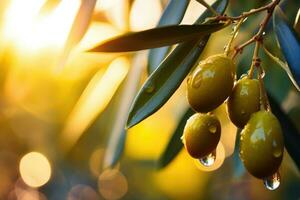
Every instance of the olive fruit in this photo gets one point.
(201, 134)
(243, 101)
(262, 145)
(210, 83)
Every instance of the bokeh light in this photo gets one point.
(82, 192)
(35, 169)
(112, 184)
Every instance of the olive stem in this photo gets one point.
(267, 7)
(258, 36)
(255, 60)
(234, 34)
(265, 105)
(208, 7)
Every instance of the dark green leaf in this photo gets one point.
(289, 43)
(172, 15)
(165, 80)
(157, 37)
(175, 144)
(290, 132)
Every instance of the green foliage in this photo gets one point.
(157, 37)
(173, 14)
(164, 81)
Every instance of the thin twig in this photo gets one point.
(203, 2)
(259, 34)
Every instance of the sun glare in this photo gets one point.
(26, 28)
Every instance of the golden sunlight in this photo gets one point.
(35, 169)
(94, 100)
(27, 29)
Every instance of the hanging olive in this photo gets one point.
(243, 101)
(262, 145)
(201, 134)
(210, 83)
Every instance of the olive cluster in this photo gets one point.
(261, 140)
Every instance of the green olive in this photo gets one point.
(262, 145)
(210, 83)
(201, 134)
(243, 101)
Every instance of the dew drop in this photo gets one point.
(264, 33)
(150, 88)
(263, 73)
(272, 182)
(212, 128)
(277, 153)
(208, 160)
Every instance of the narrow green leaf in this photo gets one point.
(172, 15)
(284, 66)
(175, 144)
(289, 43)
(157, 37)
(165, 80)
(290, 132)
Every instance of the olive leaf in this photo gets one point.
(157, 37)
(288, 42)
(290, 133)
(284, 66)
(172, 15)
(175, 144)
(165, 80)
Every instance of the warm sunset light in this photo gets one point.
(149, 99)
(27, 28)
(35, 169)
(94, 100)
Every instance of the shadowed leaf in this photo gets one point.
(290, 132)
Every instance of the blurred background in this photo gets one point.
(61, 109)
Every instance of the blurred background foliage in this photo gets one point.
(68, 114)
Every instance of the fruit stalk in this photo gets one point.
(234, 34)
